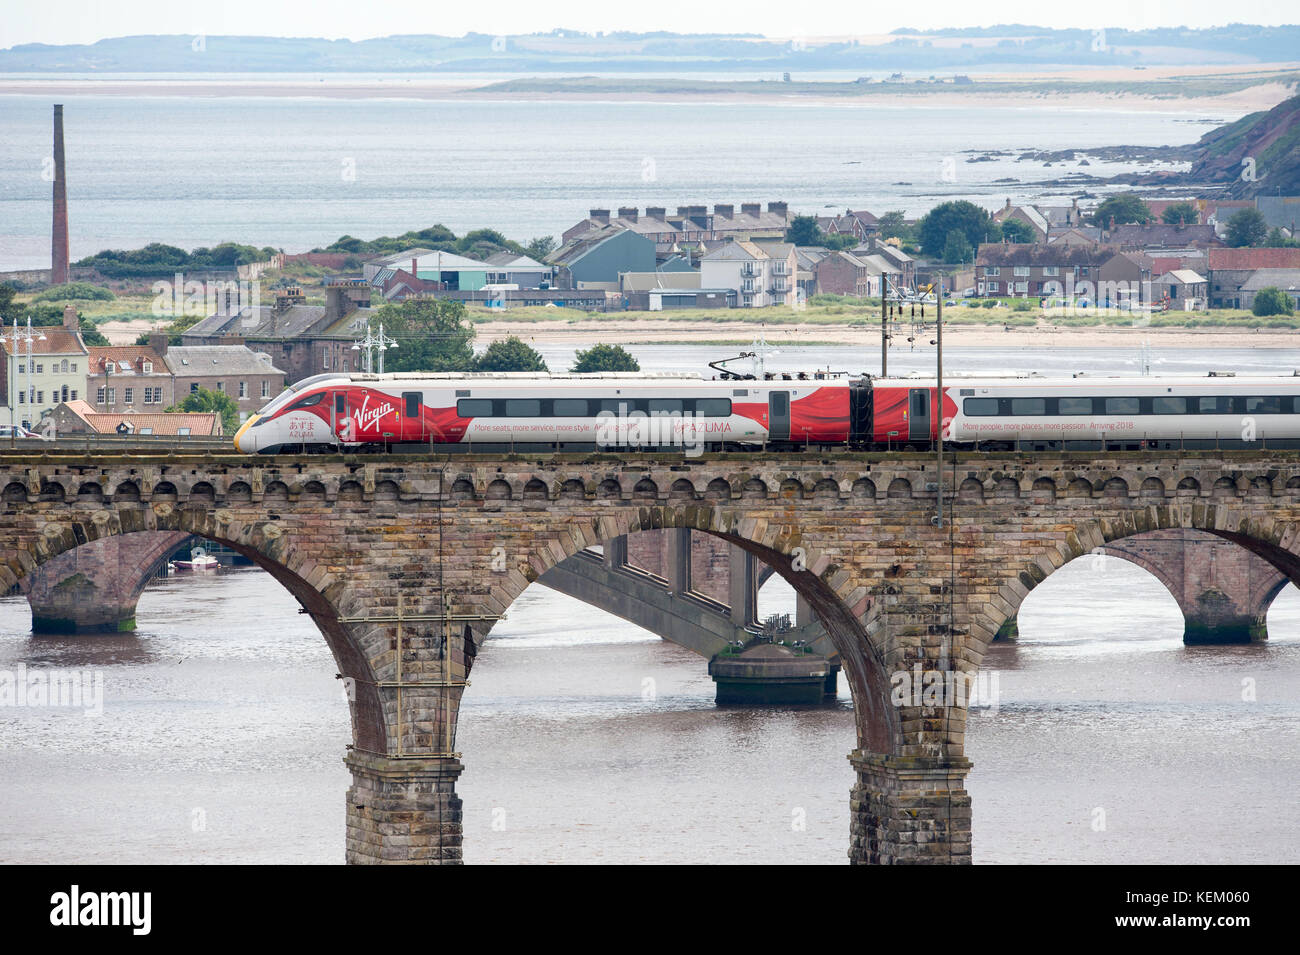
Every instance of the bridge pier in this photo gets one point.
(909, 810)
(403, 811)
(94, 588)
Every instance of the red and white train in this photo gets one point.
(411, 411)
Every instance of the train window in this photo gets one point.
(1122, 405)
(1074, 406)
(713, 407)
(474, 408)
(920, 404)
(980, 407)
(1168, 404)
(523, 407)
(340, 402)
(666, 406)
(308, 401)
(570, 408)
(1270, 404)
(1029, 406)
(412, 401)
(616, 407)
(1209, 405)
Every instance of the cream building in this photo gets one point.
(59, 364)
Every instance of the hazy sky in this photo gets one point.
(84, 21)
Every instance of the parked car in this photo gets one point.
(18, 431)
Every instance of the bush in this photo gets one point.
(1022, 307)
(1271, 301)
(989, 303)
(75, 291)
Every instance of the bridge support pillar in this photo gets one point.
(94, 588)
(743, 587)
(1009, 632)
(403, 810)
(909, 810)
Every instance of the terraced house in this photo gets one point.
(1032, 270)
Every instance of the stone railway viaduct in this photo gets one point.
(405, 563)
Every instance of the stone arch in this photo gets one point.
(462, 489)
(239, 493)
(313, 491)
(387, 491)
(277, 492)
(719, 489)
(1044, 489)
(841, 603)
(90, 491)
(323, 596)
(573, 490)
(202, 493)
(163, 491)
(826, 490)
(1078, 487)
(1115, 487)
(792, 489)
(753, 490)
(610, 489)
(1188, 487)
(645, 490)
(899, 488)
(970, 491)
(15, 493)
(864, 489)
(52, 491)
(1261, 486)
(682, 490)
(351, 491)
(1152, 487)
(498, 490)
(1006, 488)
(1293, 486)
(536, 490)
(1224, 487)
(128, 492)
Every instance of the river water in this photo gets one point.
(586, 739)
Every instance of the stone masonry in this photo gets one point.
(405, 563)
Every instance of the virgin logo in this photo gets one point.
(367, 417)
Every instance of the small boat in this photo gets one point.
(199, 560)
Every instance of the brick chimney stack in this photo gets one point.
(59, 236)
(158, 341)
(70, 320)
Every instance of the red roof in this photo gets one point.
(58, 341)
(133, 355)
(1250, 259)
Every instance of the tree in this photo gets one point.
(431, 334)
(209, 401)
(1277, 240)
(538, 249)
(1271, 301)
(1016, 230)
(803, 231)
(513, 354)
(1248, 227)
(960, 216)
(1120, 210)
(1180, 213)
(894, 225)
(956, 248)
(603, 358)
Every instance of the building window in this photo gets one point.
(993, 288)
(182, 431)
(74, 366)
(194, 387)
(40, 397)
(221, 386)
(128, 394)
(325, 360)
(992, 270)
(266, 389)
(148, 368)
(63, 366)
(99, 396)
(65, 393)
(243, 389)
(22, 368)
(1021, 270)
(74, 395)
(22, 397)
(112, 396)
(40, 368)
(1051, 270)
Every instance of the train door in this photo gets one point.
(778, 416)
(340, 420)
(412, 416)
(918, 414)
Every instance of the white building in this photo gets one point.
(57, 372)
(762, 273)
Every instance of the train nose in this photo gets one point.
(246, 443)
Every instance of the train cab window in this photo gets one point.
(1212, 405)
(1122, 405)
(340, 402)
(1269, 404)
(412, 401)
(523, 407)
(920, 403)
(713, 407)
(1168, 404)
(666, 406)
(1029, 406)
(308, 401)
(980, 407)
(570, 408)
(474, 408)
(1074, 406)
